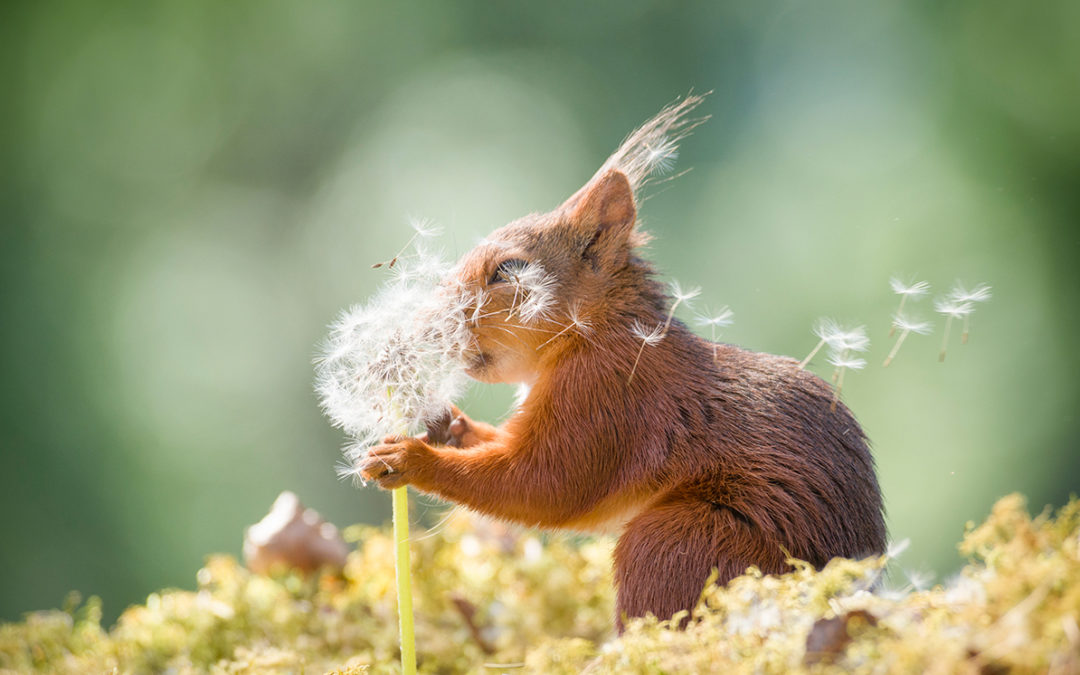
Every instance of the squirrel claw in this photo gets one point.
(391, 464)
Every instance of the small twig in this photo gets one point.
(467, 610)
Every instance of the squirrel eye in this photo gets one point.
(507, 270)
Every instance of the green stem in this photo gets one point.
(402, 566)
(404, 580)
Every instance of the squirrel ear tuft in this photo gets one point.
(607, 203)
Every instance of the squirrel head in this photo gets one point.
(546, 281)
(541, 277)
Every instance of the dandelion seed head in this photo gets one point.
(725, 317)
(580, 323)
(650, 336)
(911, 290)
(396, 362)
(953, 308)
(896, 548)
(425, 228)
(683, 295)
(843, 339)
(827, 329)
(841, 361)
(908, 324)
(980, 293)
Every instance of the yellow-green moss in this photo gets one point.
(547, 608)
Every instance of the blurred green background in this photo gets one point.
(192, 190)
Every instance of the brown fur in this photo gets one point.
(699, 463)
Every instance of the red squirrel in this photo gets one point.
(700, 456)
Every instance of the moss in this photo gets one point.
(491, 600)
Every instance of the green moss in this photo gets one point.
(491, 600)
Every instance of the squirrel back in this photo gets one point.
(700, 456)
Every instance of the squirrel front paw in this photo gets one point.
(395, 462)
(458, 430)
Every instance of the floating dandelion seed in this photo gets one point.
(826, 329)
(649, 337)
(843, 362)
(423, 229)
(680, 296)
(919, 580)
(905, 325)
(654, 336)
(980, 293)
(913, 290)
(722, 319)
(952, 310)
(839, 339)
(896, 548)
(576, 322)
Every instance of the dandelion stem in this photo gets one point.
(404, 580)
(838, 389)
(899, 311)
(634, 369)
(838, 371)
(945, 341)
(393, 261)
(967, 325)
(670, 315)
(402, 562)
(545, 342)
(802, 364)
(896, 347)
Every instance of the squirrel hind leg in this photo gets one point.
(665, 555)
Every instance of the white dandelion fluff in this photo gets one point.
(395, 363)
(838, 338)
(847, 362)
(649, 336)
(980, 293)
(682, 295)
(909, 290)
(722, 319)
(534, 293)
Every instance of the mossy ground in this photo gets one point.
(492, 600)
